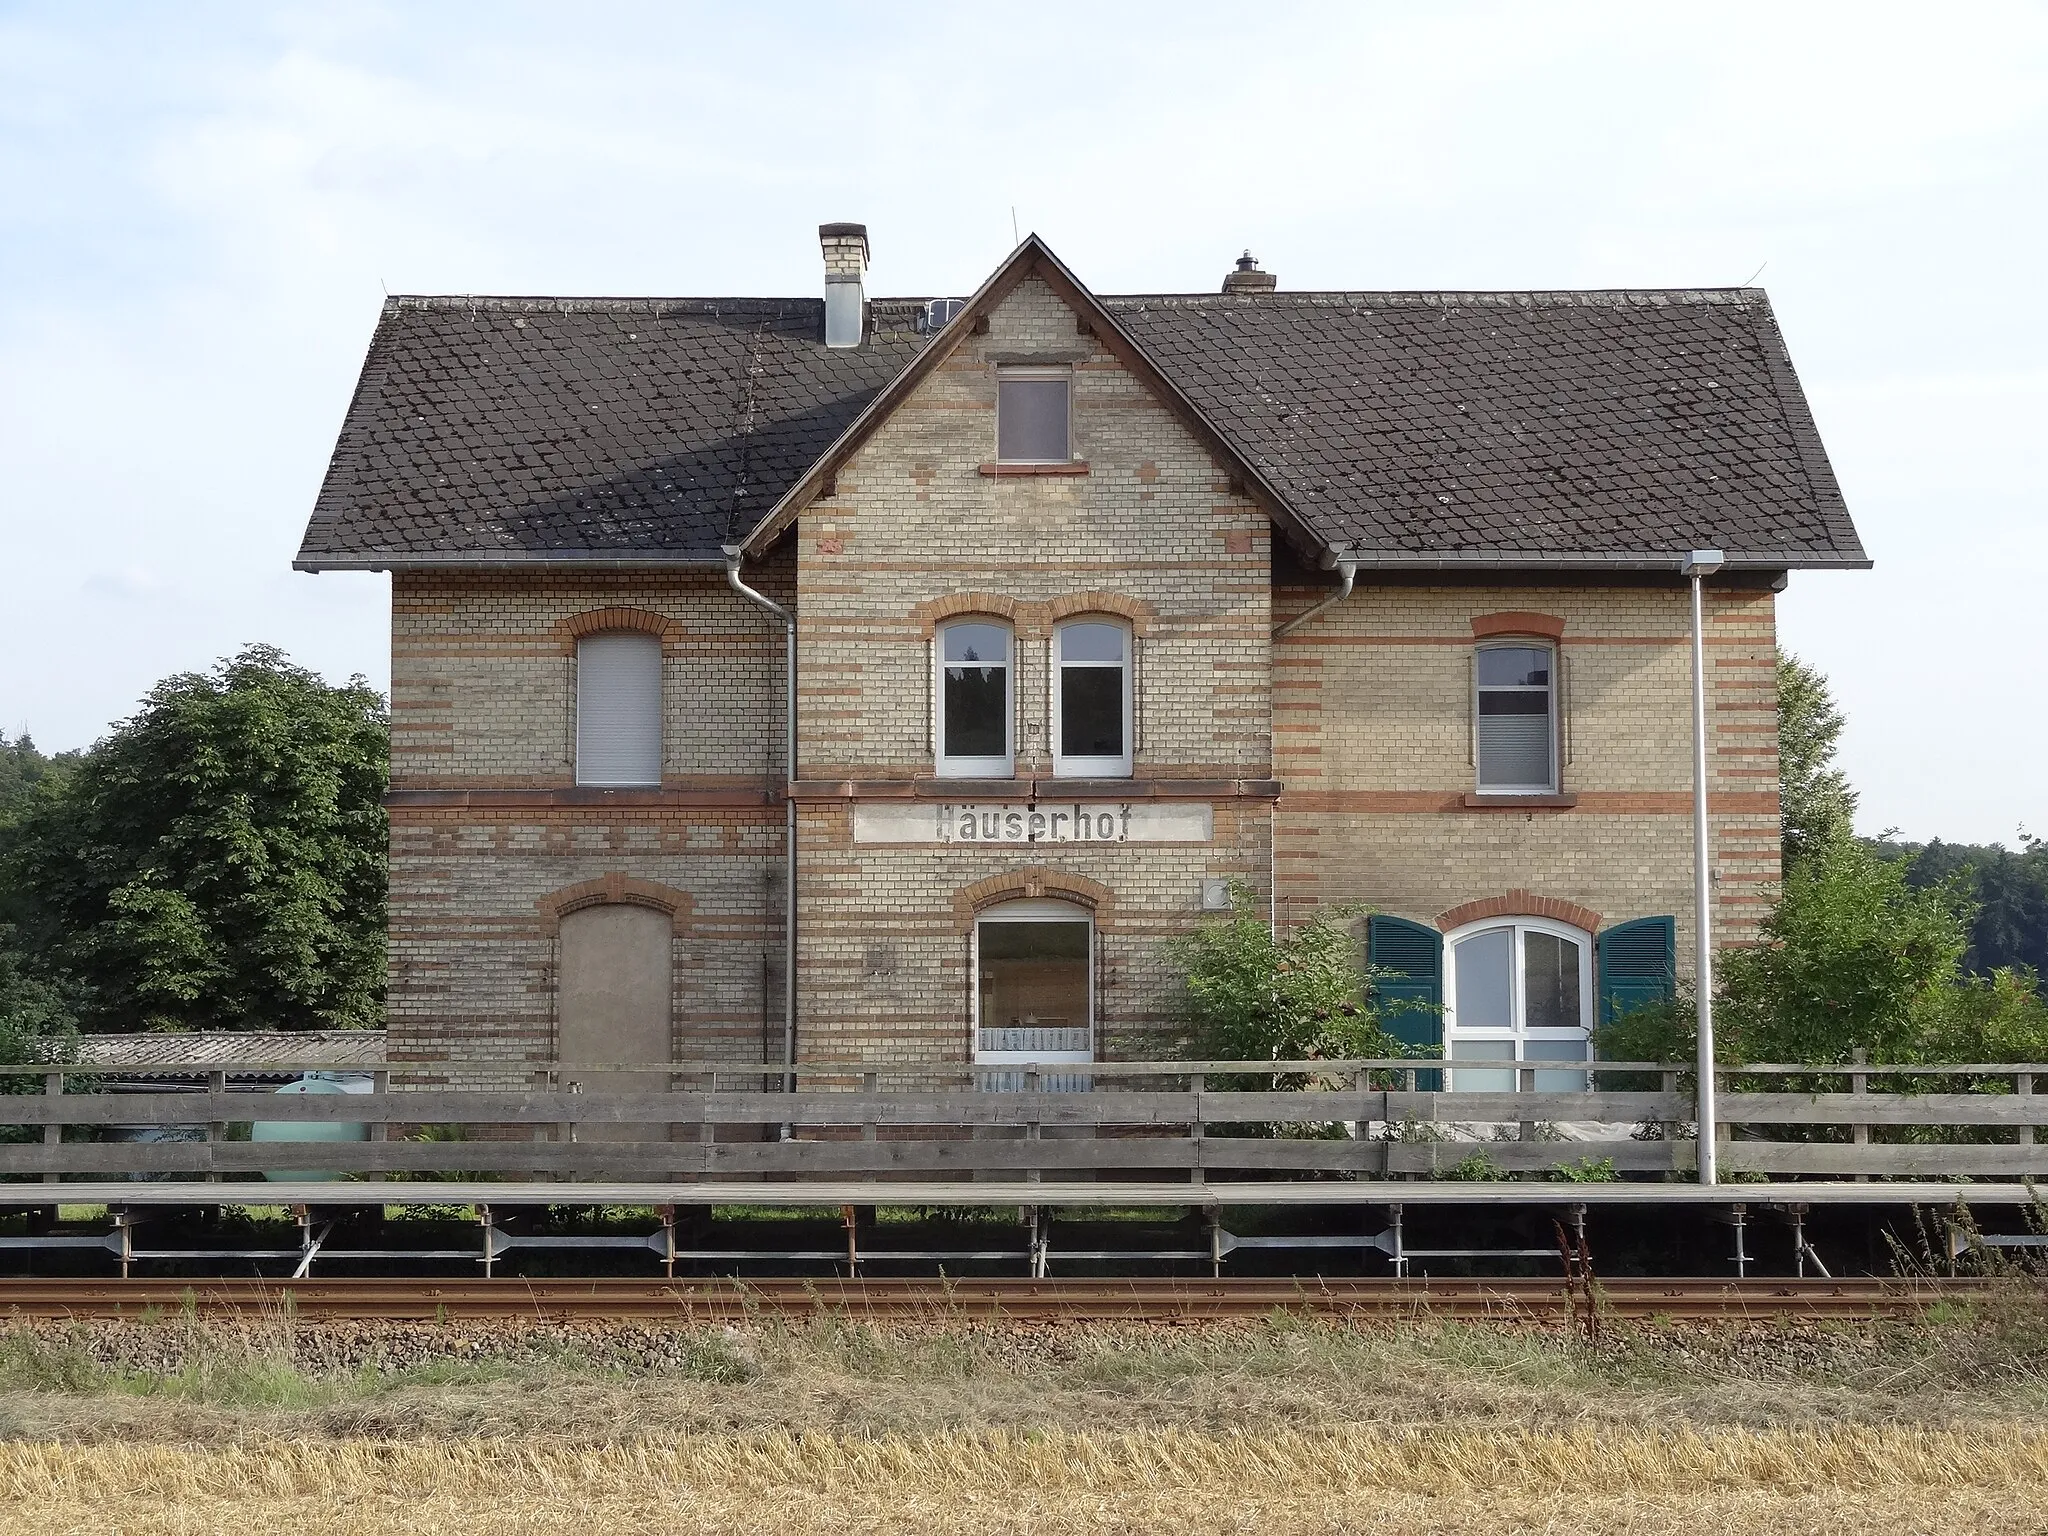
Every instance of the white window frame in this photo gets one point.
(1516, 1036)
(1044, 909)
(1063, 766)
(1552, 697)
(584, 774)
(1006, 374)
(945, 767)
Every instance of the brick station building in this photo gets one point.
(1093, 608)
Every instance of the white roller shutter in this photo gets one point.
(618, 709)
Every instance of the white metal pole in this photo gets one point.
(1702, 890)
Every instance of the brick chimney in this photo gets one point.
(846, 264)
(1247, 278)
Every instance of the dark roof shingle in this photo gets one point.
(1444, 428)
(584, 428)
(1413, 429)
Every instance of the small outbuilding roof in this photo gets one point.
(229, 1049)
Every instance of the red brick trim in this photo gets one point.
(1137, 614)
(614, 888)
(1030, 883)
(597, 621)
(930, 615)
(1520, 904)
(1517, 622)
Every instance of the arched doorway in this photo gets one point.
(613, 1005)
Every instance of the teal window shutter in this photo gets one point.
(1410, 994)
(1638, 965)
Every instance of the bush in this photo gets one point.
(1251, 995)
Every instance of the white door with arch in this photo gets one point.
(1034, 989)
(1518, 989)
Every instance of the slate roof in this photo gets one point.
(586, 429)
(1418, 430)
(1438, 429)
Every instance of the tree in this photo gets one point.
(1816, 806)
(1252, 995)
(26, 774)
(2011, 927)
(1852, 957)
(218, 861)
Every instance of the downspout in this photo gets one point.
(732, 576)
(1347, 572)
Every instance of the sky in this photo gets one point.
(202, 207)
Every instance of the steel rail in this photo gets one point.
(1079, 1300)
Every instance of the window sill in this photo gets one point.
(1520, 802)
(1006, 471)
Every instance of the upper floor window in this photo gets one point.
(974, 701)
(618, 708)
(1091, 725)
(1516, 724)
(1033, 416)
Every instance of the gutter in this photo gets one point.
(1347, 571)
(733, 556)
(485, 561)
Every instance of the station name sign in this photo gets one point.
(1043, 822)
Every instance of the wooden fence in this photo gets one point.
(1167, 1120)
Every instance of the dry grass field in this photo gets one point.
(181, 1424)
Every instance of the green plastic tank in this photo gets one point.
(308, 1130)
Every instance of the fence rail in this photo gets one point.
(1359, 1119)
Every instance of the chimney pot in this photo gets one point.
(1247, 278)
(845, 247)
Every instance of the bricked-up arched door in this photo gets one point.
(613, 1004)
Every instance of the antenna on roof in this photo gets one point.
(1015, 238)
(1759, 272)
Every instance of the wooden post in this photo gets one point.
(1525, 1082)
(1670, 1127)
(2023, 1085)
(1034, 1174)
(216, 1130)
(868, 1082)
(380, 1126)
(1198, 1084)
(542, 1080)
(1859, 1085)
(53, 1133)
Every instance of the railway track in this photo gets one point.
(1149, 1299)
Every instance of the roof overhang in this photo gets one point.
(1579, 560)
(471, 560)
(1034, 258)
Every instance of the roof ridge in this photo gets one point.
(1585, 297)
(597, 303)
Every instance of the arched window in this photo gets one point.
(1515, 738)
(1518, 989)
(973, 705)
(1034, 984)
(1091, 702)
(618, 708)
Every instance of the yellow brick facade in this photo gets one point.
(1363, 717)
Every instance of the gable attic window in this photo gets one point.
(618, 708)
(1034, 414)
